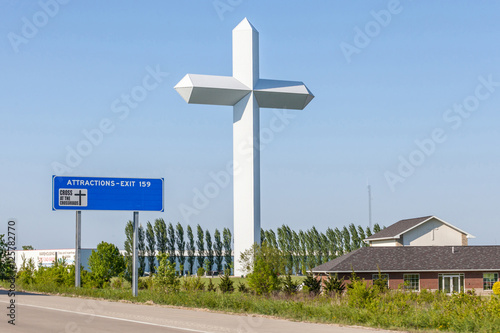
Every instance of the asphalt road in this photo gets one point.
(41, 313)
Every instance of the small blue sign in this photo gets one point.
(103, 193)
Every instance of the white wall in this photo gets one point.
(46, 257)
(390, 242)
(432, 233)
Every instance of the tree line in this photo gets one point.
(185, 247)
(303, 250)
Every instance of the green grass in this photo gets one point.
(400, 310)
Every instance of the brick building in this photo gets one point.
(421, 253)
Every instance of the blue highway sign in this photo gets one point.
(106, 193)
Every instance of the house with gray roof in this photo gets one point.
(420, 231)
(420, 253)
(446, 268)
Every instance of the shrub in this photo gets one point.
(360, 294)
(264, 264)
(242, 288)
(59, 274)
(289, 286)
(166, 277)
(312, 284)
(26, 274)
(200, 271)
(105, 262)
(122, 283)
(211, 286)
(7, 266)
(380, 283)
(333, 285)
(226, 285)
(496, 288)
(192, 283)
(145, 282)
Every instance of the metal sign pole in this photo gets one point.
(78, 246)
(135, 269)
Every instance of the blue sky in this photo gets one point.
(407, 103)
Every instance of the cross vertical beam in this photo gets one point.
(246, 175)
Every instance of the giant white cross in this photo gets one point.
(245, 92)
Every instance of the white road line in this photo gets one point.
(115, 318)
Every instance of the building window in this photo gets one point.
(382, 277)
(489, 279)
(411, 281)
(451, 282)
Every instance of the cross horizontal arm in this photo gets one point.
(211, 89)
(282, 94)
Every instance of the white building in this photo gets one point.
(420, 231)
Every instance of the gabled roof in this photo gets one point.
(415, 259)
(397, 229)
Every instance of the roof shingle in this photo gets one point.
(416, 258)
(398, 228)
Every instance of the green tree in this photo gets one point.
(181, 246)
(27, 247)
(226, 241)
(376, 228)
(355, 239)
(171, 243)
(141, 250)
(325, 248)
(190, 249)
(332, 243)
(218, 250)
(226, 285)
(151, 248)
(311, 249)
(368, 232)
(347, 239)
(290, 287)
(166, 278)
(263, 264)
(161, 237)
(271, 239)
(296, 252)
(210, 251)
(7, 267)
(285, 244)
(105, 263)
(200, 244)
(334, 285)
(128, 245)
(312, 284)
(362, 236)
(340, 241)
(303, 251)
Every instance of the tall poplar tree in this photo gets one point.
(190, 249)
(226, 241)
(141, 250)
(347, 239)
(209, 251)
(128, 245)
(151, 248)
(161, 237)
(218, 250)
(181, 246)
(200, 244)
(171, 243)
